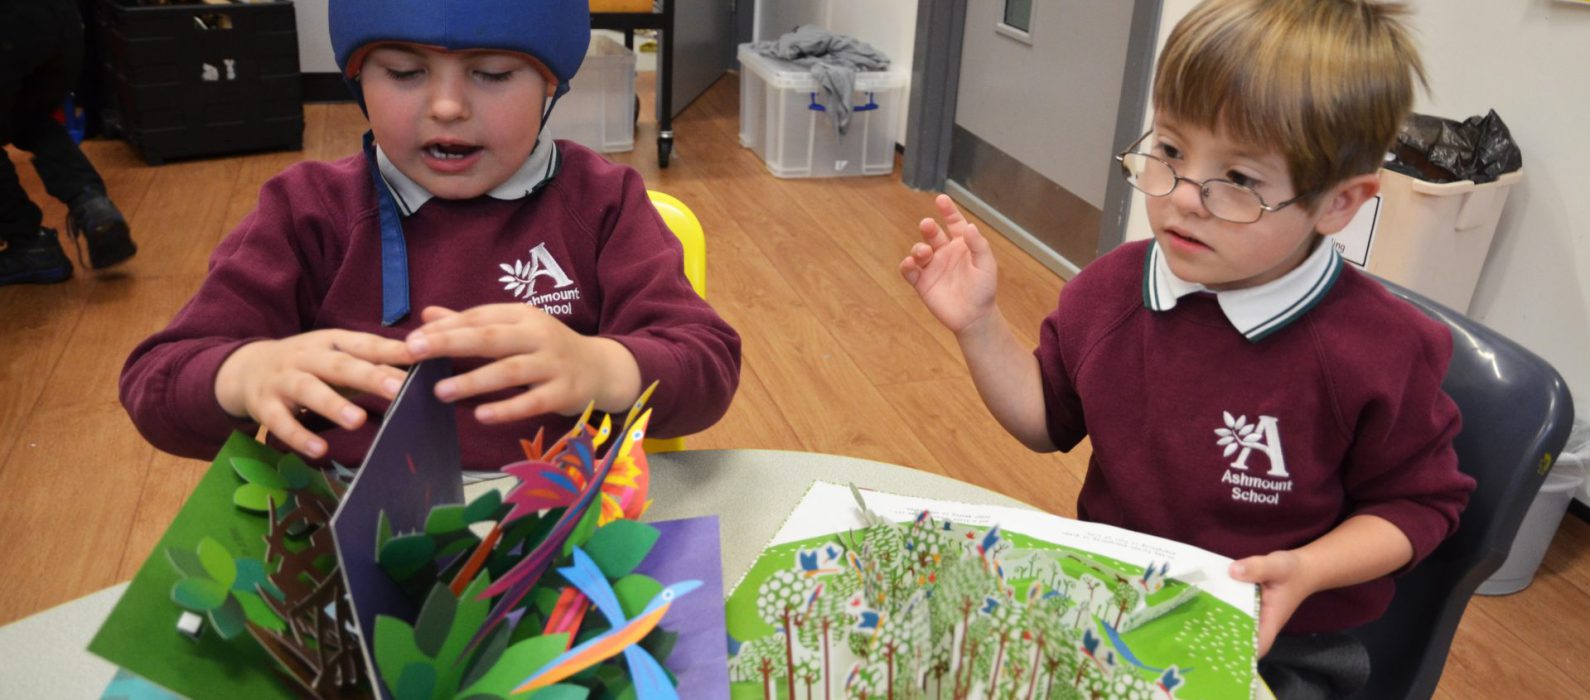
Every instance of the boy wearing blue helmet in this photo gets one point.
(459, 232)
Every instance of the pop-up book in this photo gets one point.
(875, 595)
(278, 580)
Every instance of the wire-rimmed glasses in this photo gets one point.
(1225, 200)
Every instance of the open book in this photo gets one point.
(863, 594)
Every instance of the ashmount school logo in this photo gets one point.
(522, 276)
(1242, 438)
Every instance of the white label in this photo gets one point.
(1356, 242)
(839, 165)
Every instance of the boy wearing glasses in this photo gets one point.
(1244, 391)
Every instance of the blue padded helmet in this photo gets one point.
(554, 32)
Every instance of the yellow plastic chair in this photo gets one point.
(687, 228)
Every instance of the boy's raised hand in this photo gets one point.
(270, 380)
(952, 269)
(559, 370)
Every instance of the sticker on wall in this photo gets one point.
(1356, 241)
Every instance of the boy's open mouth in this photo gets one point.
(450, 151)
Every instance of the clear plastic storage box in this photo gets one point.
(599, 110)
(784, 118)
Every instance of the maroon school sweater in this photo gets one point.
(1247, 447)
(588, 248)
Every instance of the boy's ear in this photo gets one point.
(1342, 202)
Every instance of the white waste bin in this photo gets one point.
(1545, 514)
(1430, 237)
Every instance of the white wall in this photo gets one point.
(314, 37)
(889, 25)
(1530, 61)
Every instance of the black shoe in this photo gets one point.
(36, 259)
(93, 218)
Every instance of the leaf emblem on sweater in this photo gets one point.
(1237, 434)
(518, 282)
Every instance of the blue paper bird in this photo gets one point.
(990, 604)
(1090, 643)
(649, 679)
(990, 539)
(1126, 652)
(1169, 679)
(806, 560)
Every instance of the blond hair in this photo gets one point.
(1326, 83)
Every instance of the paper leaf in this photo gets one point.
(198, 594)
(618, 547)
(545, 600)
(583, 531)
(561, 691)
(490, 652)
(257, 612)
(468, 615)
(660, 643)
(228, 619)
(634, 592)
(185, 562)
(257, 498)
(383, 530)
(297, 474)
(416, 682)
(405, 555)
(484, 507)
(251, 577)
(518, 661)
(445, 519)
(217, 562)
(395, 649)
(258, 473)
(436, 618)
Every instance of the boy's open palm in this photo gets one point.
(559, 370)
(271, 380)
(952, 269)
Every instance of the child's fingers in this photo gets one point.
(434, 313)
(910, 270)
(373, 348)
(312, 392)
(546, 398)
(347, 369)
(492, 340)
(1251, 570)
(508, 373)
(948, 211)
(281, 421)
(933, 235)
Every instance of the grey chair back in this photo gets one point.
(1516, 417)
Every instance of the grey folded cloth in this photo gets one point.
(833, 59)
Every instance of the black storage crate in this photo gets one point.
(203, 80)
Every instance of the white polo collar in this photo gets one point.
(538, 169)
(1257, 311)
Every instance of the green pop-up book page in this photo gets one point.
(141, 635)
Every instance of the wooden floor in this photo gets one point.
(839, 358)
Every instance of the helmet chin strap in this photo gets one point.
(394, 252)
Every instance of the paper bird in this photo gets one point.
(1169, 680)
(650, 680)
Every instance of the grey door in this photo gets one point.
(1036, 115)
(703, 46)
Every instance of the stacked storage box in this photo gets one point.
(598, 112)
(201, 80)
(784, 117)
